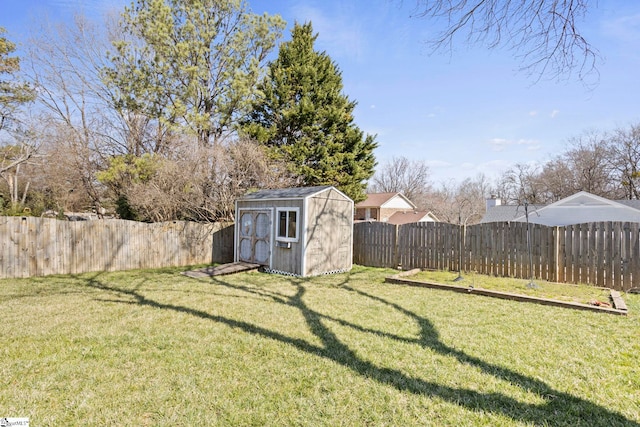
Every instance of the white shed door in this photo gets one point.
(254, 236)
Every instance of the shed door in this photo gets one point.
(254, 236)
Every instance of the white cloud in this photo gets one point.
(533, 113)
(626, 28)
(554, 113)
(500, 144)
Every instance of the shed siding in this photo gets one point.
(329, 234)
(289, 259)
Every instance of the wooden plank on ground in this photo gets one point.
(220, 270)
(617, 300)
(504, 295)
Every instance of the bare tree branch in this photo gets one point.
(544, 34)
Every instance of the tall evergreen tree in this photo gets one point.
(303, 118)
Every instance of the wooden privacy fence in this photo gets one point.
(601, 254)
(42, 246)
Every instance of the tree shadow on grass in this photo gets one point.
(559, 408)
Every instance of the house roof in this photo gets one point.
(289, 193)
(631, 203)
(583, 207)
(578, 208)
(399, 218)
(377, 200)
(506, 213)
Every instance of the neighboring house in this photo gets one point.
(296, 231)
(382, 206)
(579, 208)
(399, 218)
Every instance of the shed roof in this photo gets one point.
(506, 213)
(289, 193)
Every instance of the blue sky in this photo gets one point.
(463, 112)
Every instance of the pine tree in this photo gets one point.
(193, 65)
(303, 118)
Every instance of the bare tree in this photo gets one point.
(64, 64)
(625, 149)
(544, 34)
(521, 184)
(593, 162)
(586, 165)
(401, 175)
(442, 200)
(558, 178)
(589, 157)
(68, 169)
(13, 158)
(182, 185)
(462, 202)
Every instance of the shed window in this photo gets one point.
(288, 225)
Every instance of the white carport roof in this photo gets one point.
(580, 208)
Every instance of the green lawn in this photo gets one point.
(582, 294)
(158, 348)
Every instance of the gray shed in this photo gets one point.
(296, 231)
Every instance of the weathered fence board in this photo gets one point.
(43, 246)
(601, 254)
(374, 244)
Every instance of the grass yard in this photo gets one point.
(583, 294)
(158, 348)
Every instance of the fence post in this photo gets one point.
(556, 254)
(396, 251)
